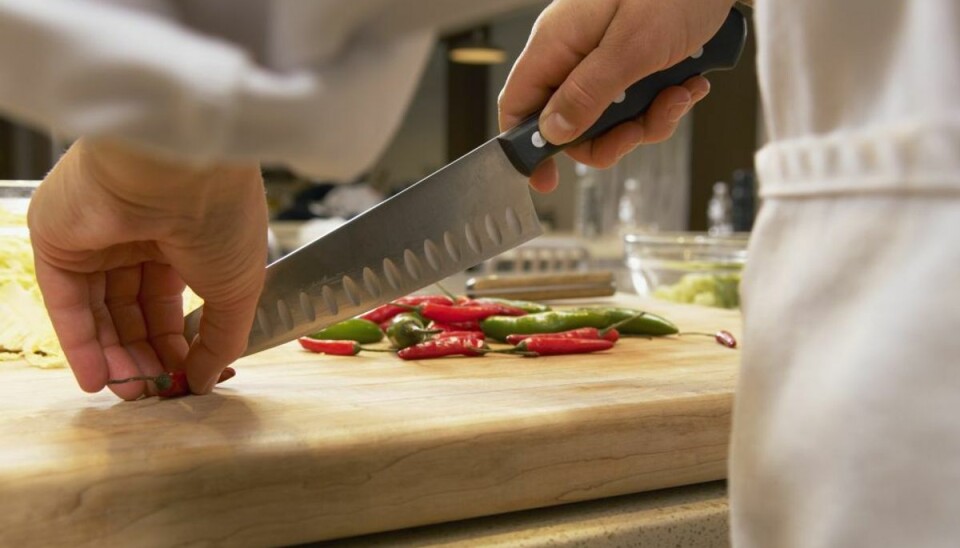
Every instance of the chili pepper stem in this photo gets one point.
(446, 292)
(387, 350)
(514, 351)
(163, 381)
(624, 321)
(131, 379)
(722, 337)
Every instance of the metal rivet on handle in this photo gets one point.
(621, 98)
(538, 140)
(697, 54)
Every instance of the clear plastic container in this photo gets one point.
(687, 267)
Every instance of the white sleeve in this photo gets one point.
(82, 68)
(318, 86)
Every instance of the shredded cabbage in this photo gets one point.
(25, 329)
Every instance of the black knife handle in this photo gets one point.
(526, 148)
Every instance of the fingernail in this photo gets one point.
(677, 110)
(557, 129)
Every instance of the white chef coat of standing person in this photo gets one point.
(845, 429)
(174, 103)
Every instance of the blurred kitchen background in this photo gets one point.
(699, 183)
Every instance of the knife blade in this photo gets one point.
(469, 211)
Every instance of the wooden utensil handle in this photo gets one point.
(544, 286)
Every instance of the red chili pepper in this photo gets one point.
(590, 333)
(173, 384)
(461, 334)
(334, 348)
(457, 326)
(501, 309)
(474, 312)
(385, 312)
(546, 345)
(438, 348)
(726, 339)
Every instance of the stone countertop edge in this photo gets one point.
(693, 516)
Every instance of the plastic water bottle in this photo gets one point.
(588, 215)
(628, 209)
(720, 211)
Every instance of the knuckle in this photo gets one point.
(582, 97)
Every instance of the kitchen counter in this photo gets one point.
(301, 447)
(693, 516)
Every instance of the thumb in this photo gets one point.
(592, 86)
(222, 339)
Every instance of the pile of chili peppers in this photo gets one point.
(422, 327)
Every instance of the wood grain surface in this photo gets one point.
(302, 447)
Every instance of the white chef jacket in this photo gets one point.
(318, 85)
(847, 415)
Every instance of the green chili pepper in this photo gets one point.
(354, 329)
(530, 306)
(498, 327)
(646, 324)
(407, 329)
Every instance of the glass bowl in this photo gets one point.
(687, 267)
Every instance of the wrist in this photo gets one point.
(135, 176)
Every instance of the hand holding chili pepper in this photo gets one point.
(173, 384)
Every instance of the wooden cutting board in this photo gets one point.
(302, 447)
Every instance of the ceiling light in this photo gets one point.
(474, 48)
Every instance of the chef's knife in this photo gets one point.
(471, 210)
